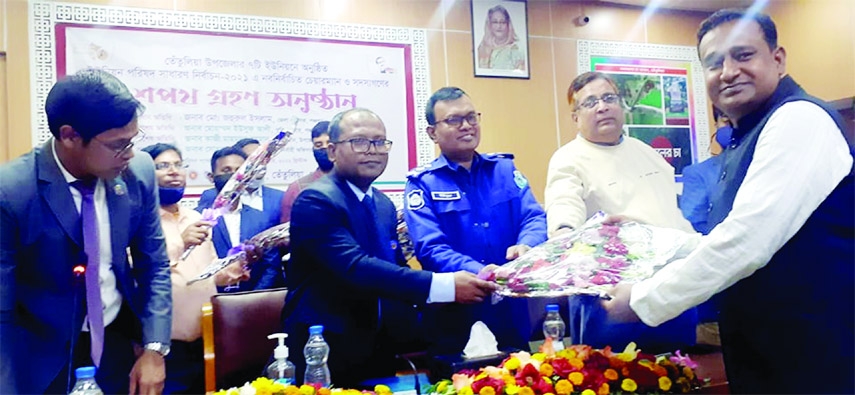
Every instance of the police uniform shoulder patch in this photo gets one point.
(520, 179)
(417, 171)
(500, 155)
(415, 199)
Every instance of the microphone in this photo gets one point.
(79, 274)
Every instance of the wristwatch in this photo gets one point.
(160, 348)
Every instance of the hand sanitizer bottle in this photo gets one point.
(281, 370)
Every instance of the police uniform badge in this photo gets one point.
(393, 244)
(520, 179)
(415, 199)
(118, 189)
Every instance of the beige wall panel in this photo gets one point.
(565, 70)
(4, 113)
(18, 78)
(674, 28)
(458, 15)
(539, 21)
(609, 23)
(821, 57)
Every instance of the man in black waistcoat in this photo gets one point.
(782, 251)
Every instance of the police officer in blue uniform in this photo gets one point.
(466, 211)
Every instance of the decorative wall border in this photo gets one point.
(44, 15)
(588, 48)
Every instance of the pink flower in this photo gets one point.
(683, 360)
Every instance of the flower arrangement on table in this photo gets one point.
(591, 259)
(578, 369)
(265, 386)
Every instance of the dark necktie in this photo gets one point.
(91, 245)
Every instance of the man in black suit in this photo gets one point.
(345, 258)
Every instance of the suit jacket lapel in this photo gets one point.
(220, 237)
(119, 209)
(54, 190)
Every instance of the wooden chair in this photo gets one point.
(234, 332)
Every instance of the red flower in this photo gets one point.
(561, 367)
(527, 376)
(497, 384)
(646, 379)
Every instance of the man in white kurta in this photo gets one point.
(628, 179)
(603, 170)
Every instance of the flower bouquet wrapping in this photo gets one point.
(578, 369)
(592, 259)
(254, 167)
(279, 236)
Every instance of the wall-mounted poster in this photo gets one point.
(500, 38)
(209, 80)
(663, 96)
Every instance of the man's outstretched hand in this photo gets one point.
(470, 289)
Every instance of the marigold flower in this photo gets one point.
(589, 392)
(525, 391)
(307, 390)
(538, 356)
(576, 378)
(381, 389)
(665, 383)
(604, 389)
(628, 385)
(509, 380)
(688, 372)
(566, 353)
(487, 391)
(467, 390)
(292, 390)
(512, 364)
(610, 374)
(323, 391)
(563, 387)
(512, 389)
(576, 363)
(546, 369)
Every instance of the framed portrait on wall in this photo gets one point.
(500, 38)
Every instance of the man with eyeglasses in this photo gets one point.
(69, 211)
(604, 170)
(345, 259)
(467, 211)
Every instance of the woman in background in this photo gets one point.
(499, 49)
(184, 227)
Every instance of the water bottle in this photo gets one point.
(553, 327)
(316, 352)
(86, 384)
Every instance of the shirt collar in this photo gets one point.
(359, 194)
(443, 161)
(65, 174)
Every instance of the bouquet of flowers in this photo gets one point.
(265, 386)
(280, 236)
(254, 167)
(591, 259)
(578, 369)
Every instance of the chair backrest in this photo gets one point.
(241, 322)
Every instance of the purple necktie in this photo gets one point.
(91, 245)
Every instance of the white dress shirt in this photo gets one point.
(441, 285)
(232, 219)
(800, 157)
(111, 299)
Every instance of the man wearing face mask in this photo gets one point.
(320, 141)
(257, 210)
(182, 227)
(247, 146)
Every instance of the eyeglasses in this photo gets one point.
(121, 148)
(362, 145)
(167, 165)
(591, 101)
(457, 121)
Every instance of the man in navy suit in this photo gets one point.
(47, 220)
(248, 146)
(258, 209)
(345, 258)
